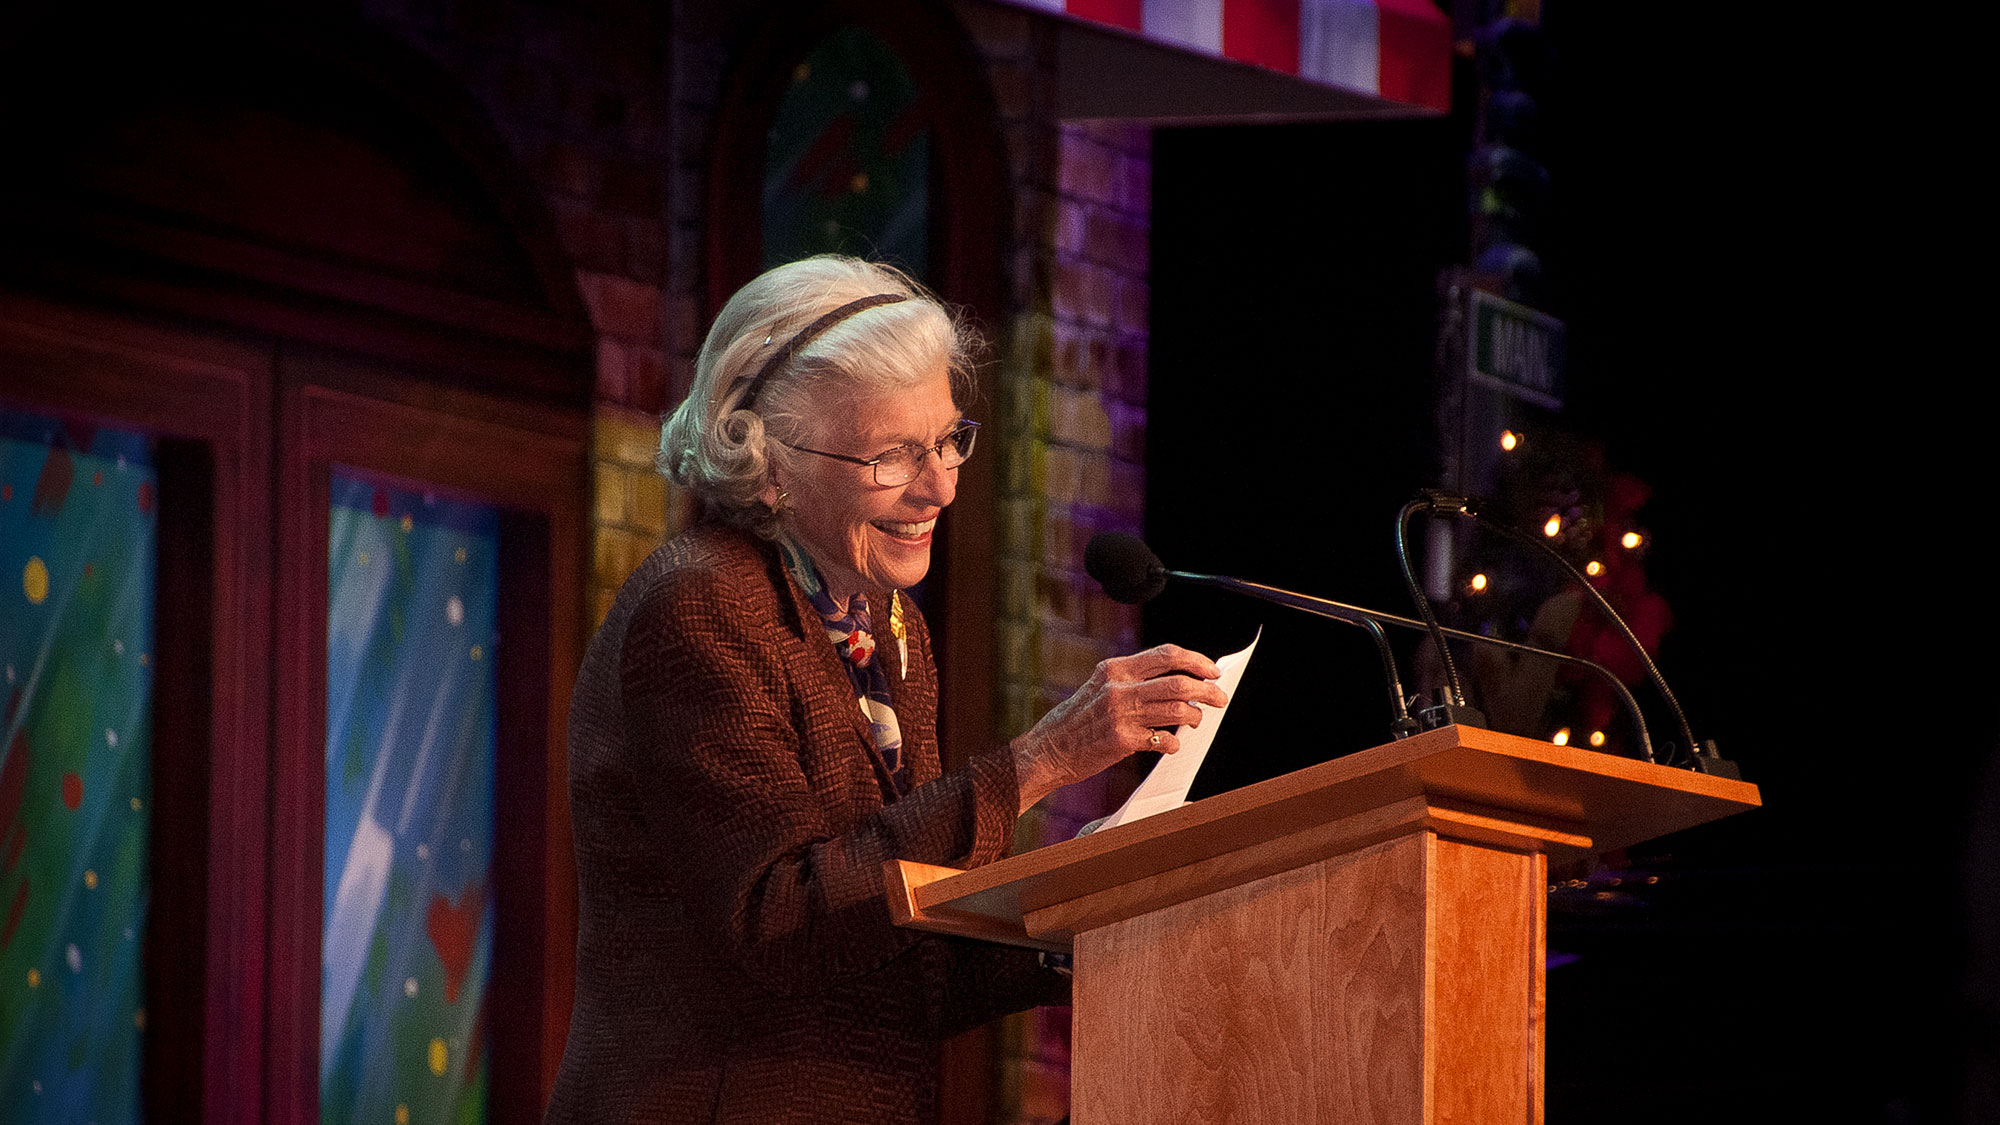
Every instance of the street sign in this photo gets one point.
(1516, 350)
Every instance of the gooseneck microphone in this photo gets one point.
(1128, 570)
(1701, 756)
(1131, 573)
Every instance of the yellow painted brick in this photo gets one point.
(607, 554)
(1033, 336)
(1017, 589)
(649, 503)
(1019, 523)
(1017, 653)
(609, 499)
(618, 553)
(624, 436)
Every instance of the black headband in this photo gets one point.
(806, 336)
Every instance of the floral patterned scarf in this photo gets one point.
(852, 632)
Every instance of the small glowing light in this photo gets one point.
(402, 1115)
(1554, 527)
(407, 522)
(1631, 540)
(34, 978)
(90, 880)
(1478, 583)
(410, 987)
(439, 1058)
(1561, 737)
(1509, 440)
(1597, 738)
(1593, 568)
(478, 651)
(139, 1019)
(136, 805)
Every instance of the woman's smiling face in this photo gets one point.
(861, 534)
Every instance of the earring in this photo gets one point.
(778, 505)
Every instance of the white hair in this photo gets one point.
(724, 450)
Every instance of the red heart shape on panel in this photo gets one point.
(452, 929)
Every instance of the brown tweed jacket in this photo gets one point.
(735, 958)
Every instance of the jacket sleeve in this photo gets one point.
(719, 716)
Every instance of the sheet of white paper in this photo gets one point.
(1167, 786)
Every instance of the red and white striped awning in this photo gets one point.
(1395, 54)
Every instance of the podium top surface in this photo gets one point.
(1578, 801)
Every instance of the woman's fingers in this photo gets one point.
(1160, 660)
(1183, 688)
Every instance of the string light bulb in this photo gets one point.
(1631, 540)
(1560, 737)
(1593, 568)
(1597, 738)
(1554, 527)
(1478, 583)
(1509, 441)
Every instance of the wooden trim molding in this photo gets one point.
(208, 401)
(537, 475)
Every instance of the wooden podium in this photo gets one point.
(1360, 941)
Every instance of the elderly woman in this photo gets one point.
(754, 734)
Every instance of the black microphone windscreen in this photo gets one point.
(1128, 570)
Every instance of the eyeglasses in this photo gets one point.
(902, 464)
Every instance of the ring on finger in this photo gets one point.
(1154, 741)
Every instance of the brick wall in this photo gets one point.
(1071, 389)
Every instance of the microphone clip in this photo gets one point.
(1709, 760)
(1437, 710)
(1438, 502)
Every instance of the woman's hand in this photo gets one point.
(1114, 714)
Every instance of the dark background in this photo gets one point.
(1756, 244)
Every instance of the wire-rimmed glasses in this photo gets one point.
(902, 464)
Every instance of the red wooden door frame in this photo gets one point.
(208, 401)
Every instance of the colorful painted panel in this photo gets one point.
(412, 581)
(77, 523)
(847, 166)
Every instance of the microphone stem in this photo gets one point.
(1423, 602)
(1652, 670)
(1355, 615)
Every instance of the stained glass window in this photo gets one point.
(847, 166)
(408, 939)
(78, 515)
